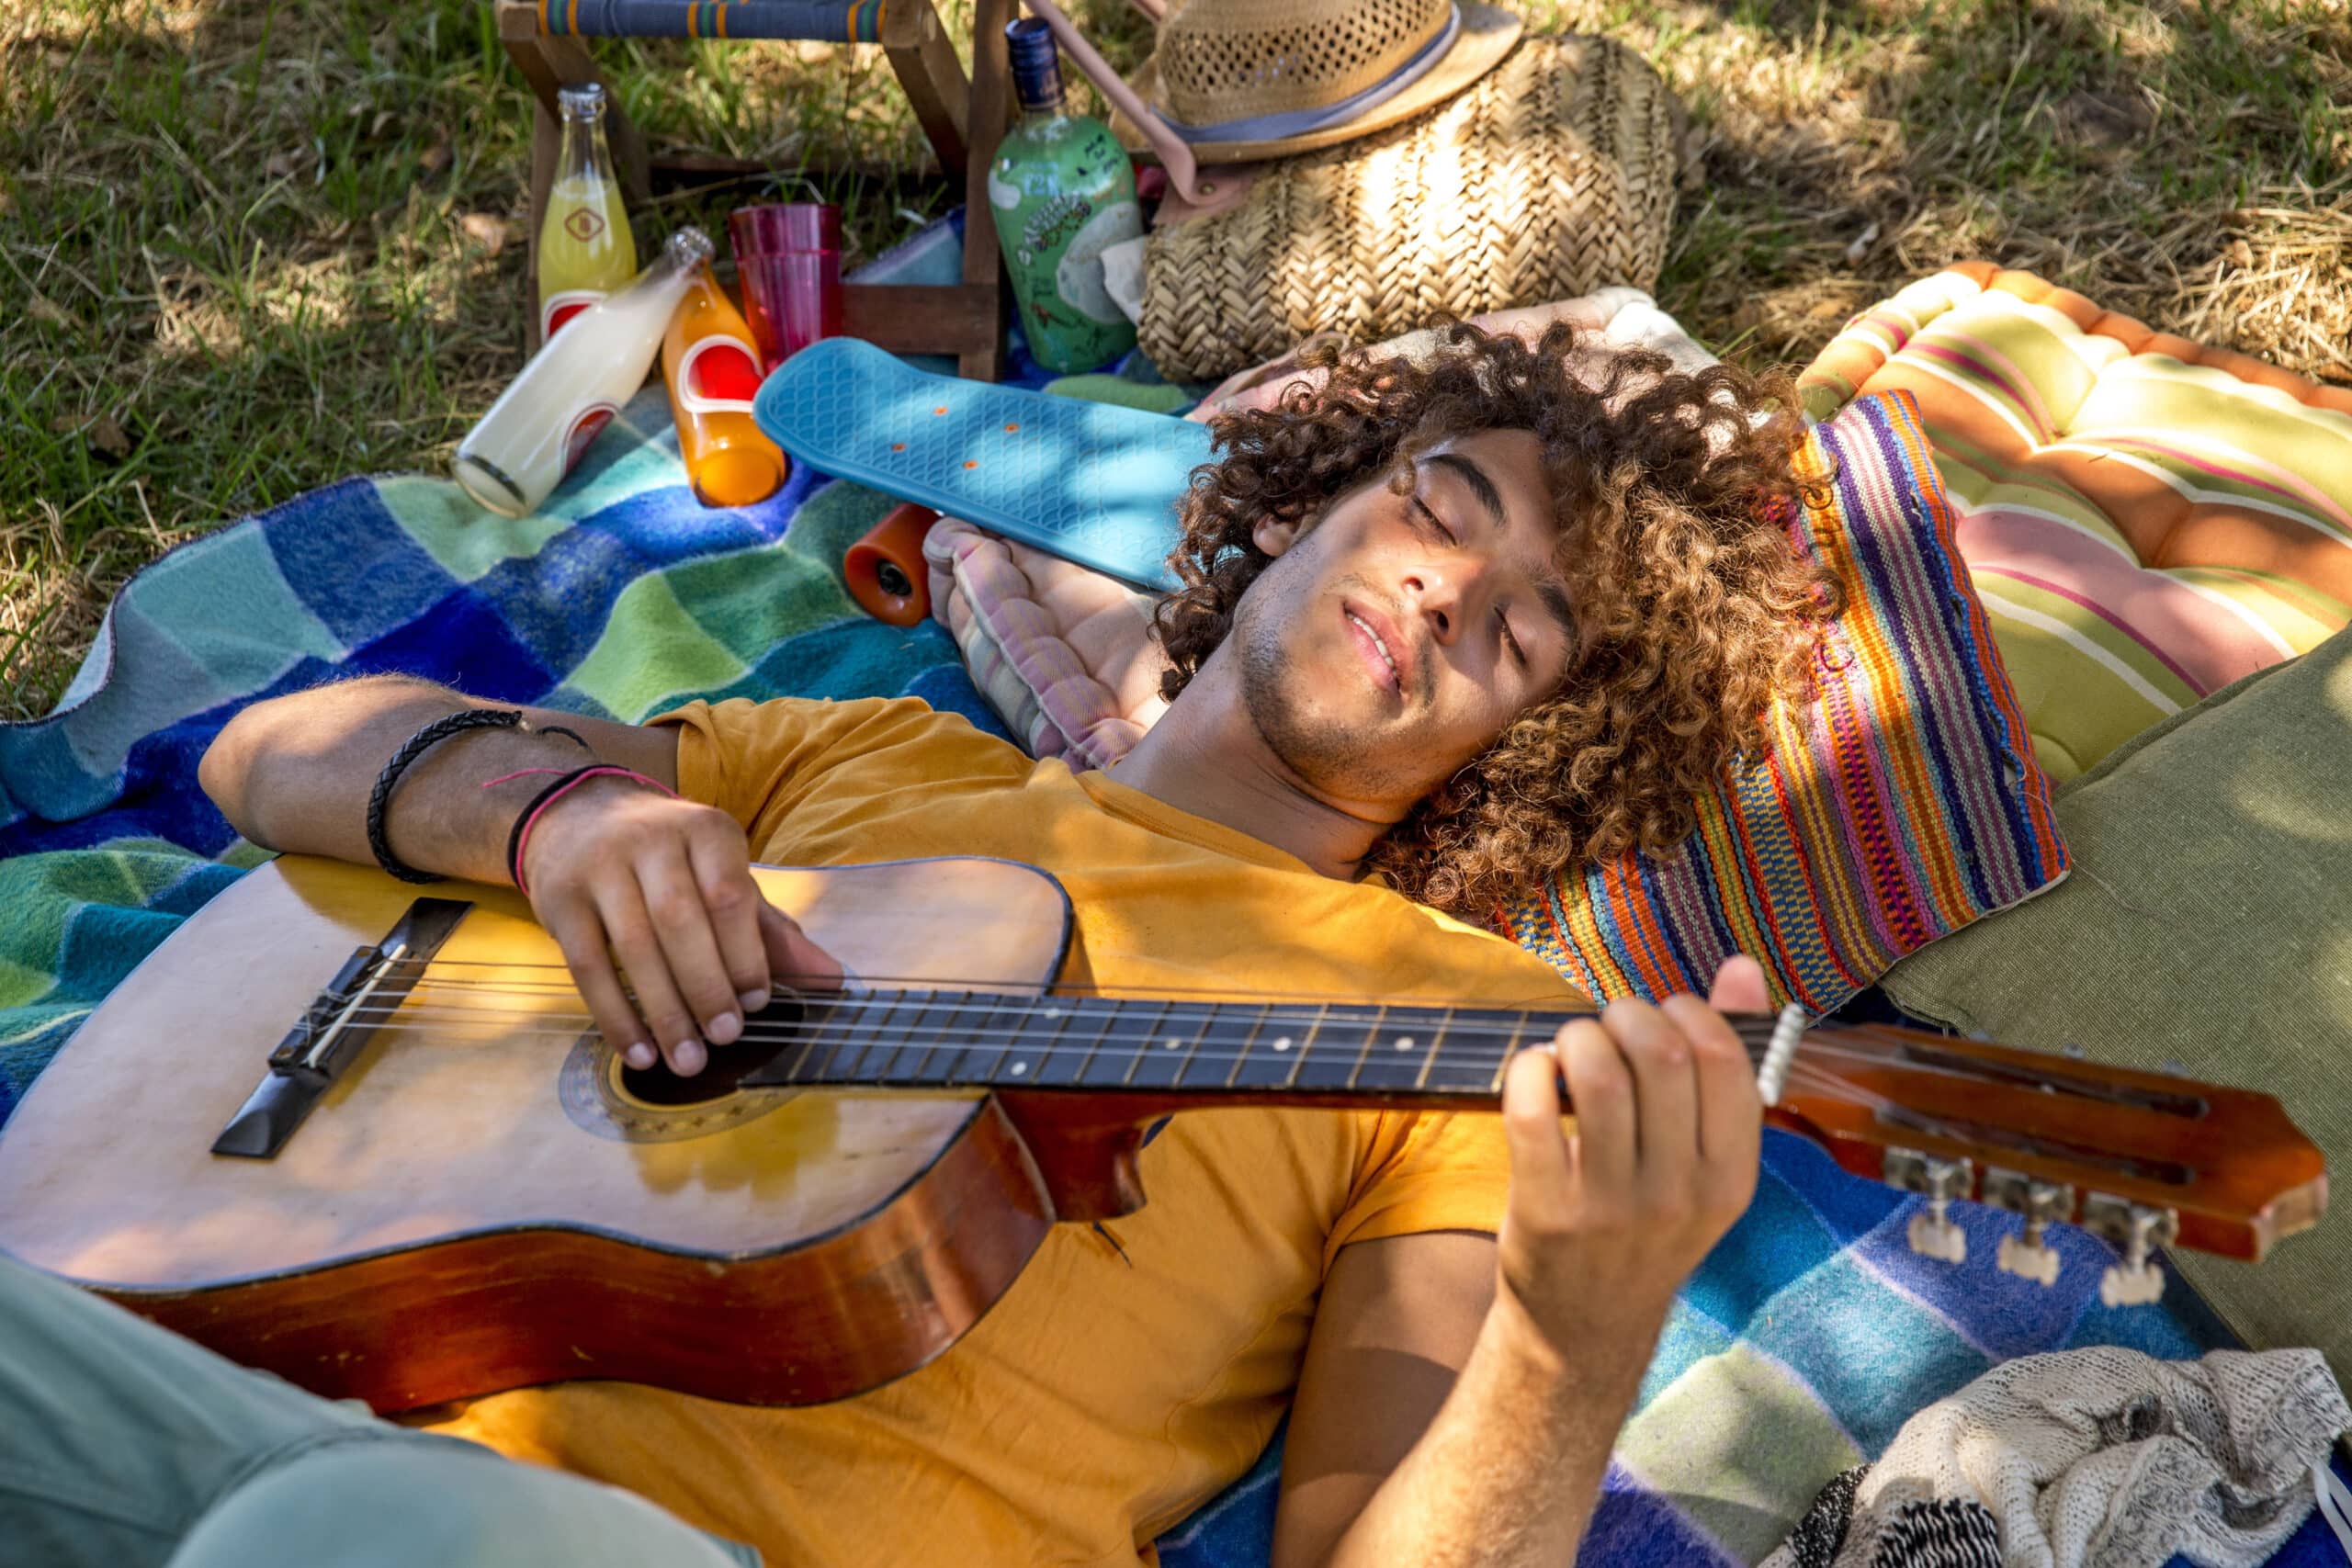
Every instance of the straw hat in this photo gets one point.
(1247, 80)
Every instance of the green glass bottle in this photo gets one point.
(1062, 190)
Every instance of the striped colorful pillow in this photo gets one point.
(1898, 804)
(2146, 519)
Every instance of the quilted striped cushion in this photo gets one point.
(1900, 803)
(2146, 520)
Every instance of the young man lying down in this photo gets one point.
(1446, 627)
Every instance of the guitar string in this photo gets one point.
(1823, 1083)
(1755, 1032)
(971, 999)
(1468, 1032)
(427, 973)
(570, 1027)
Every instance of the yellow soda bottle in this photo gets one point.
(585, 248)
(714, 373)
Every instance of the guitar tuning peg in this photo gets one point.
(2024, 1256)
(2042, 1203)
(1940, 1180)
(2135, 1231)
(2131, 1284)
(1933, 1235)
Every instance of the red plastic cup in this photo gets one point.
(783, 228)
(791, 301)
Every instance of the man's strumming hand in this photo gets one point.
(618, 872)
(1605, 1224)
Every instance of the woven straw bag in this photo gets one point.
(1553, 175)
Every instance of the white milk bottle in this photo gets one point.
(572, 386)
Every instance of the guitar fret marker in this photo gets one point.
(1170, 1043)
(1019, 1069)
(1281, 1042)
(1404, 1042)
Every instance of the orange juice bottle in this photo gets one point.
(585, 248)
(714, 373)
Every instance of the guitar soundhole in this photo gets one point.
(767, 1036)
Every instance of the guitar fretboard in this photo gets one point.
(931, 1039)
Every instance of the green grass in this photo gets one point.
(249, 247)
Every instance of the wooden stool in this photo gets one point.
(964, 120)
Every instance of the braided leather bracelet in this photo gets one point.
(415, 746)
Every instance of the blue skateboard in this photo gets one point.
(1089, 482)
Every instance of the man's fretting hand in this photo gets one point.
(1605, 1224)
(617, 871)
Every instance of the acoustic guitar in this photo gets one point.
(368, 1140)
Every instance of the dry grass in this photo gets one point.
(248, 247)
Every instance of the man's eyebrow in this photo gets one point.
(1555, 595)
(1548, 587)
(1481, 487)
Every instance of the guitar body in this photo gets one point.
(361, 1134)
(487, 1206)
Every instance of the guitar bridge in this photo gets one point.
(328, 1037)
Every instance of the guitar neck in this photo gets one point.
(1212, 1050)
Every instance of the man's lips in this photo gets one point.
(1382, 645)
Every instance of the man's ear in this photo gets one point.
(1274, 536)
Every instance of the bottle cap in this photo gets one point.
(584, 101)
(689, 247)
(1036, 69)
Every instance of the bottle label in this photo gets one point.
(719, 375)
(557, 308)
(1078, 276)
(585, 424)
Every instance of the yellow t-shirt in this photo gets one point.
(1126, 1378)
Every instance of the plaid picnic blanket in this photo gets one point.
(1800, 1348)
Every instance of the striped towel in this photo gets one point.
(1898, 804)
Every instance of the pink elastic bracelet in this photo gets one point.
(521, 836)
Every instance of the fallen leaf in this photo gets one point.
(281, 164)
(433, 159)
(1825, 310)
(2239, 253)
(485, 229)
(1861, 245)
(813, 51)
(107, 437)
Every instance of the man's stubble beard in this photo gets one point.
(1327, 755)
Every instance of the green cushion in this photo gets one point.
(2208, 922)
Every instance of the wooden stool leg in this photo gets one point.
(547, 144)
(990, 113)
(925, 62)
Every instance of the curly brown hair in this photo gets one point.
(1673, 494)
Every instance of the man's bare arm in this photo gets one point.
(295, 772)
(627, 880)
(1552, 1325)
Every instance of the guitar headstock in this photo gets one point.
(2141, 1159)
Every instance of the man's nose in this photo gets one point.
(1440, 594)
